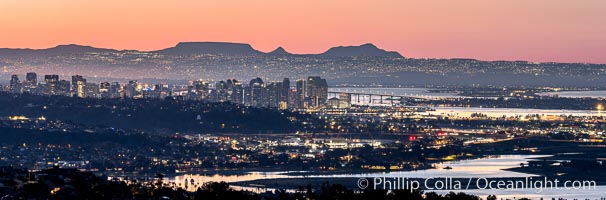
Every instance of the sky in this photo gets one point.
(533, 30)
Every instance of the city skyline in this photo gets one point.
(558, 31)
(303, 93)
(316, 100)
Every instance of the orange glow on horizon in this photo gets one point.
(540, 30)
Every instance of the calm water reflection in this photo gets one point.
(484, 167)
(577, 94)
(509, 112)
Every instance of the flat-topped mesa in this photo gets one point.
(365, 50)
(223, 48)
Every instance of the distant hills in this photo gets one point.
(365, 64)
(224, 48)
(365, 50)
(219, 48)
(54, 51)
(279, 52)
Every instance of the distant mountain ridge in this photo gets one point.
(340, 65)
(198, 48)
(54, 51)
(225, 48)
(78, 48)
(365, 50)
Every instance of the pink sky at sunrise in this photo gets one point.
(534, 30)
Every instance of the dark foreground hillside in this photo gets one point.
(58, 183)
(171, 115)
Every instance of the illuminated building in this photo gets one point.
(15, 84)
(78, 85)
(130, 90)
(51, 82)
(235, 91)
(62, 88)
(285, 92)
(31, 79)
(104, 90)
(317, 91)
(300, 94)
(91, 90)
(257, 93)
(114, 90)
(201, 89)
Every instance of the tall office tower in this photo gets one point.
(62, 88)
(79, 89)
(300, 99)
(212, 94)
(317, 91)
(151, 92)
(91, 90)
(285, 92)
(156, 90)
(139, 90)
(163, 90)
(247, 95)
(230, 89)
(201, 89)
(51, 83)
(78, 84)
(42, 89)
(30, 84)
(31, 79)
(130, 90)
(221, 89)
(237, 92)
(53, 78)
(114, 90)
(15, 84)
(272, 96)
(263, 100)
(257, 92)
(104, 90)
(292, 98)
(275, 92)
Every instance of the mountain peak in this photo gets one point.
(69, 46)
(279, 52)
(369, 45)
(364, 50)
